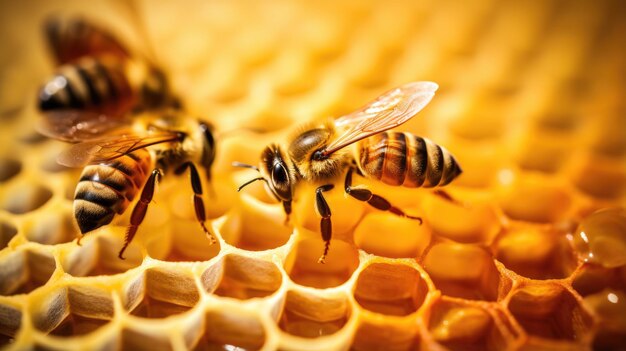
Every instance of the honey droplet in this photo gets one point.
(601, 238)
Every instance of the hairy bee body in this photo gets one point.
(404, 159)
(91, 84)
(108, 188)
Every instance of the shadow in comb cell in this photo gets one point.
(24, 271)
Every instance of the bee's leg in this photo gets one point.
(139, 212)
(287, 208)
(446, 196)
(376, 201)
(325, 225)
(198, 203)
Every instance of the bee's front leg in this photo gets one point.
(140, 209)
(376, 201)
(325, 224)
(198, 203)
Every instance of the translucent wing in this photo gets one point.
(75, 126)
(388, 111)
(113, 146)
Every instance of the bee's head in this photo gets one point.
(275, 169)
(208, 145)
(275, 172)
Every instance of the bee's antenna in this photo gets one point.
(250, 182)
(245, 165)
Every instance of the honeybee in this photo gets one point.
(127, 128)
(121, 156)
(359, 141)
(98, 73)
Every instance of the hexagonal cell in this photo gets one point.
(410, 239)
(545, 151)
(99, 256)
(535, 252)
(601, 239)
(242, 277)
(550, 311)
(600, 177)
(391, 289)
(10, 321)
(51, 228)
(608, 140)
(24, 197)
(73, 310)
(480, 162)
(609, 305)
(467, 327)
(468, 221)
(7, 232)
(593, 278)
(160, 293)
(533, 198)
(186, 243)
(142, 340)
(303, 268)
(389, 333)
(9, 168)
(479, 125)
(463, 270)
(231, 330)
(90, 309)
(256, 227)
(311, 315)
(24, 271)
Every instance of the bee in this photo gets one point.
(97, 73)
(123, 156)
(127, 127)
(359, 141)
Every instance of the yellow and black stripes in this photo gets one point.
(107, 189)
(90, 84)
(404, 159)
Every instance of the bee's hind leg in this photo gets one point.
(325, 224)
(139, 212)
(376, 201)
(198, 203)
(287, 208)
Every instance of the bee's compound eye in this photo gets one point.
(279, 175)
(280, 181)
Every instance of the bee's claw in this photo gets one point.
(210, 236)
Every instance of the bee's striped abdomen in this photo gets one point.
(106, 189)
(90, 84)
(407, 160)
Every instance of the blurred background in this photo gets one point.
(533, 86)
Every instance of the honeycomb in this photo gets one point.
(533, 257)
